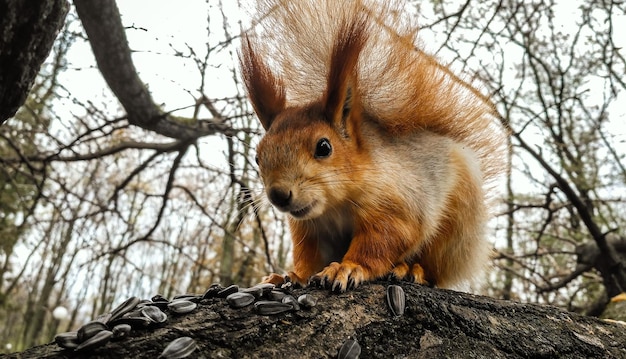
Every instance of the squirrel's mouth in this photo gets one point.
(302, 212)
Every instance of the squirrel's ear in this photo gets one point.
(341, 94)
(265, 90)
(338, 109)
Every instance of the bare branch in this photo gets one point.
(103, 25)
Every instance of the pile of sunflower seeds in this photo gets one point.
(136, 313)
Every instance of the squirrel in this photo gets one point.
(382, 158)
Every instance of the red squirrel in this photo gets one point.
(381, 157)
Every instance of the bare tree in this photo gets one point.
(554, 71)
(135, 199)
(123, 195)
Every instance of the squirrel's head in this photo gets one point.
(308, 154)
(306, 163)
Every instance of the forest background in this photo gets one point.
(109, 188)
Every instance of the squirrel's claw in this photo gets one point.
(340, 276)
(414, 273)
(315, 281)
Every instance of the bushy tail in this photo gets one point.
(400, 86)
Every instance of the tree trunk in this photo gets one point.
(27, 32)
(436, 324)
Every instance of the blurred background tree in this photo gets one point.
(131, 172)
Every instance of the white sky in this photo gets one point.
(160, 26)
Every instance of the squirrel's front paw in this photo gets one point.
(282, 279)
(274, 278)
(403, 271)
(340, 276)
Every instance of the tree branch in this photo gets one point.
(436, 324)
(103, 25)
(614, 263)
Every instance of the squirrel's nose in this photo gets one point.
(281, 197)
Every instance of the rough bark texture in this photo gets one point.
(437, 324)
(27, 32)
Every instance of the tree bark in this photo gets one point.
(27, 33)
(436, 324)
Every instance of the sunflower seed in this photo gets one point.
(212, 291)
(98, 340)
(179, 348)
(396, 299)
(134, 322)
(267, 287)
(160, 302)
(228, 291)
(133, 313)
(67, 340)
(349, 350)
(89, 330)
(153, 313)
(120, 330)
(257, 292)
(104, 318)
(128, 305)
(240, 299)
(270, 307)
(188, 297)
(289, 299)
(307, 300)
(159, 298)
(276, 295)
(182, 306)
(144, 302)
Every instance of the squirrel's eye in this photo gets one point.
(256, 159)
(323, 148)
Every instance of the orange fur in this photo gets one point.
(381, 156)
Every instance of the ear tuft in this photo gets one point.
(341, 89)
(266, 91)
(347, 103)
